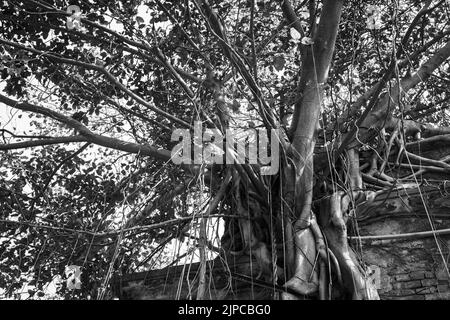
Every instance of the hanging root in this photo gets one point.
(334, 226)
(324, 258)
(322, 280)
(336, 267)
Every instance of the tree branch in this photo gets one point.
(117, 232)
(101, 70)
(291, 16)
(43, 142)
(113, 143)
(218, 30)
(379, 113)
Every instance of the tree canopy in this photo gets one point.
(358, 92)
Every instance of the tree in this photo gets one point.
(356, 93)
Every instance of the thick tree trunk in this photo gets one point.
(308, 259)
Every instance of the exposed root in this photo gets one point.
(305, 279)
(324, 259)
(335, 229)
(322, 280)
(336, 267)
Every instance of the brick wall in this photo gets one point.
(408, 269)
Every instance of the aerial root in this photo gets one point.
(335, 230)
(323, 258)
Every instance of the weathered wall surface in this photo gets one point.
(180, 282)
(412, 268)
(408, 269)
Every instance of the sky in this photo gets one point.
(9, 119)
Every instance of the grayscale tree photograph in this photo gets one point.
(224, 150)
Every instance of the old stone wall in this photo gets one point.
(227, 280)
(408, 269)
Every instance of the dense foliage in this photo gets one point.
(86, 178)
